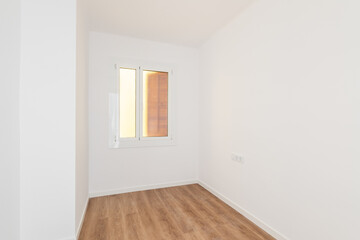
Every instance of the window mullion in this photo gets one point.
(139, 98)
(117, 106)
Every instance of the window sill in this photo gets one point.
(141, 144)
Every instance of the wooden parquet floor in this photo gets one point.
(178, 213)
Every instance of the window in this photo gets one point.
(140, 107)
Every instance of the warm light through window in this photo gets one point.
(127, 103)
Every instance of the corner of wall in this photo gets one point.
(79, 226)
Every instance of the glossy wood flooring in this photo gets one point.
(187, 212)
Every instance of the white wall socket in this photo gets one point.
(237, 158)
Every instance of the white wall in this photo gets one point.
(82, 151)
(9, 123)
(116, 170)
(47, 119)
(280, 85)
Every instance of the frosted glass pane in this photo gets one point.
(127, 103)
(155, 104)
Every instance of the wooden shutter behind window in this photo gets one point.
(157, 105)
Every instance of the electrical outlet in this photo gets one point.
(237, 158)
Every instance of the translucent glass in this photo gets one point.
(155, 104)
(127, 101)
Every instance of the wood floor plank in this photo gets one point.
(219, 226)
(179, 213)
(116, 228)
(200, 221)
(223, 224)
(184, 223)
(162, 216)
(146, 213)
(227, 213)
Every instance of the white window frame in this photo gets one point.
(114, 100)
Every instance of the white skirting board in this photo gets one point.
(245, 213)
(82, 219)
(141, 188)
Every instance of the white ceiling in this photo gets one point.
(185, 22)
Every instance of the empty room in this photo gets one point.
(180, 120)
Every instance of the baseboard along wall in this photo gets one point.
(141, 188)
